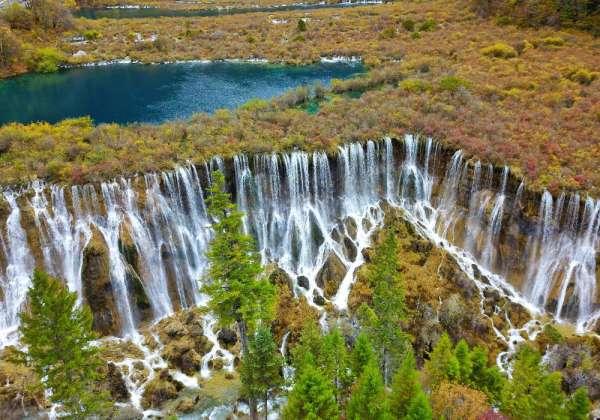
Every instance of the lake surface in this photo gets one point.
(125, 93)
(149, 12)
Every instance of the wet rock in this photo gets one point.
(185, 405)
(184, 341)
(127, 413)
(350, 250)
(216, 363)
(318, 299)
(160, 389)
(227, 337)
(421, 246)
(116, 383)
(366, 224)
(351, 227)
(279, 277)
(331, 275)
(97, 287)
(303, 282)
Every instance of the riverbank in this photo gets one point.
(523, 97)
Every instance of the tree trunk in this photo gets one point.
(266, 405)
(244, 341)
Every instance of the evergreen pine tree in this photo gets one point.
(307, 352)
(532, 393)
(463, 356)
(335, 362)
(237, 291)
(312, 397)
(368, 399)
(362, 354)
(260, 371)
(442, 364)
(578, 406)
(405, 386)
(383, 321)
(487, 379)
(419, 408)
(58, 335)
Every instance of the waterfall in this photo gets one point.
(312, 214)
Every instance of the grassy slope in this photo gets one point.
(531, 111)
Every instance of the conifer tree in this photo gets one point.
(362, 354)
(368, 400)
(307, 352)
(419, 408)
(335, 362)
(578, 406)
(465, 365)
(58, 335)
(383, 321)
(260, 371)
(442, 364)
(238, 292)
(313, 397)
(405, 386)
(487, 379)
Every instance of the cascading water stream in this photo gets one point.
(308, 213)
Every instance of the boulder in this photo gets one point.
(303, 282)
(350, 250)
(97, 286)
(351, 227)
(318, 299)
(331, 275)
(227, 337)
(184, 341)
(185, 405)
(160, 389)
(116, 384)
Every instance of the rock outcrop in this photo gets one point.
(97, 286)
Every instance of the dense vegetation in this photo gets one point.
(582, 14)
(527, 97)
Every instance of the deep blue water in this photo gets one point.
(125, 93)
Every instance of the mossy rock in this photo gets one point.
(160, 389)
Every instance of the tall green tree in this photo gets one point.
(532, 392)
(442, 364)
(336, 362)
(487, 379)
(307, 352)
(465, 364)
(312, 398)
(260, 371)
(419, 408)
(58, 335)
(368, 400)
(578, 406)
(405, 386)
(238, 291)
(362, 354)
(383, 320)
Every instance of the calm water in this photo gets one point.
(116, 13)
(153, 93)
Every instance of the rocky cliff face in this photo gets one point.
(135, 248)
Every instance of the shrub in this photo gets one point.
(554, 41)
(47, 60)
(51, 14)
(582, 76)
(91, 34)
(10, 48)
(453, 84)
(18, 17)
(453, 401)
(499, 50)
(409, 25)
(301, 25)
(414, 85)
(388, 33)
(428, 25)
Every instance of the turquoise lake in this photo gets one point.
(125, 93)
